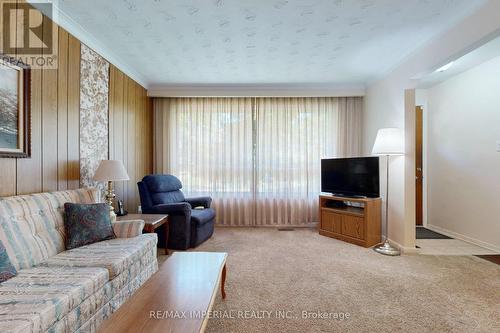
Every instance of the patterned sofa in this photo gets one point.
(66, 291)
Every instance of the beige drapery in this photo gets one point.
(259, 158)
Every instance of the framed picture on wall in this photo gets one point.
(15, 83)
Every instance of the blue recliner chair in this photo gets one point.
(188, 227)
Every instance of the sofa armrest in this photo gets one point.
(178, 208)
(128, 229)
(200, 201)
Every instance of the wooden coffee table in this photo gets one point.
(175, 299)
(151, 223)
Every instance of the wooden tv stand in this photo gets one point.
(357, 225)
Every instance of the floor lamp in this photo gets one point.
(389, 142)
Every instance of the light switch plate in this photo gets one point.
(498, 146)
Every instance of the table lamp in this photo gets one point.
(110, 171)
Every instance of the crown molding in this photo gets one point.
(257, 90)
(85, 37)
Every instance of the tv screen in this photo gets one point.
(358, 176)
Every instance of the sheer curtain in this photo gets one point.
(259, 158)
(293, 134)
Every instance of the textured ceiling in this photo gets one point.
(261, 41)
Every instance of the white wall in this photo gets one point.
(464, 167)
(385, 105)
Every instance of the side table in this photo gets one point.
(151, 223)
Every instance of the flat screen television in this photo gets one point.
(351, 177)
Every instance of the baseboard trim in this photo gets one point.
(464, 238)
(403, 249)
(275, 226)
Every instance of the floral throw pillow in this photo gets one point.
(86, 224)
(7, 270)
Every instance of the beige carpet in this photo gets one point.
(296, 271)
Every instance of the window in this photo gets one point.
(258, 158)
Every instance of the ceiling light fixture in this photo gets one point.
(445, 67)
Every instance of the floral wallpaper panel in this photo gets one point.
(94, 86)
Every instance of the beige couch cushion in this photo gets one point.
(116, 255)
(38, 297)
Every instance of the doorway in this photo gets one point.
(425, 237)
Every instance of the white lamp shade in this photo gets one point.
(110, 170)
(389, 141)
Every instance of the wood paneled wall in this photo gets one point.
(130, 133)
(55, 106)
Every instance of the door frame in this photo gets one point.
(419, 165)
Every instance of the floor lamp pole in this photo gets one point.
(386, 248)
